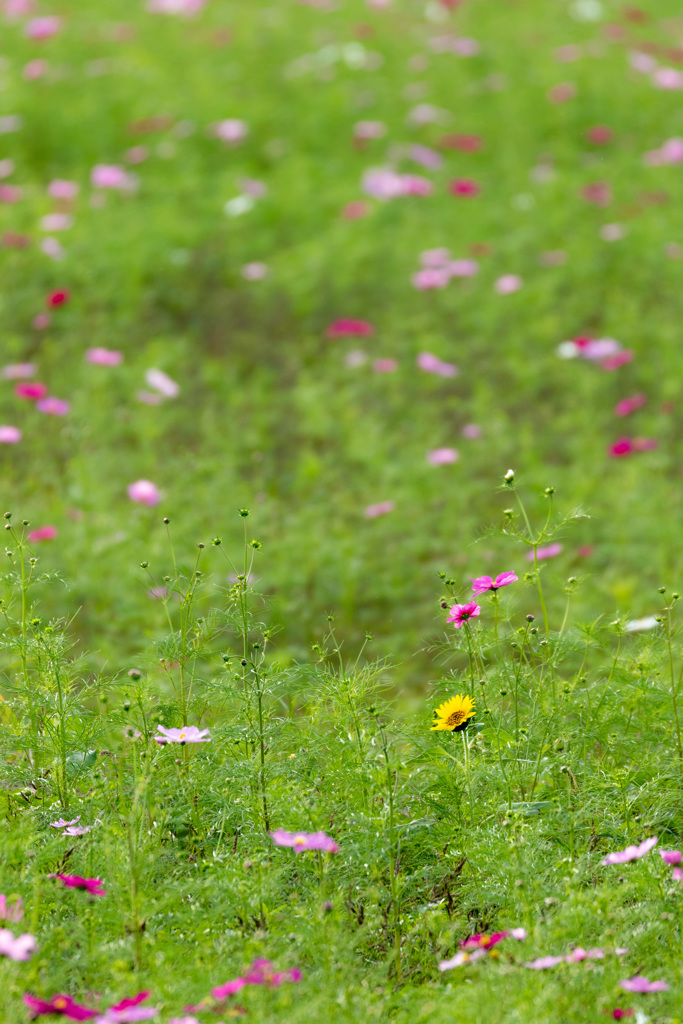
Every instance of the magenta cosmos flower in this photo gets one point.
(350, 329)
(631, 852)
(188, 734)
(300, 841)
(52, 406)
(442, 456)
(461, 613)
(61, 189)
(21, 948)
(62, 823)
(382, 508)
(61, 1005)
(261, 973)
(144, 492)
(483, 583)
(671, 856)
(9, 435)
(42, 533)
(641, 984)
(31, 391)
(43, 28)
(91, 885)
(432, 364)
(111, 176)
(104, 357)
(128, 1011)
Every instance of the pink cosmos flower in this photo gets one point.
(579, 954)
(162, 383)
(671, 856)
(464, 187)
(231, 130)
(483, 583)
(424, 113)
(432, 364)
(642, 62)
(144, 492)
(356, 209)
(34, 70)
(11, 911)
(366, 130)
(548, 552)
(53, 248)
(110, 176)
(9, 435)
(254, 271)
(261, 973)
(30, 391)
(230, 988)
(599, 193)
(620, 448)
(385, 365)
(414, 185)
(667, 78)
(618, 1014)
(508, 283)
(426, 157)
(127, 1015)
(61, 823)
(300, 841)
(104, 357)
(628, 405)
(641, 984)
(60, 1005)
(463, 268)
(562, 93)
(600, 135)
(543, 963)
(350, 329)
(137, 155)
(382, 183)
(471, 431)
(478, 946)
(42, 533)
(677, 875)
(461, 613)
(620, 359)
(442, 456)
(52, 406)
(631, 852)
(17, 371)
(57, 222)
(10, 193)
(18, 8)
(382, 508)
(59, 297)
(42, 28)
(430, 277)
(175, 6)
(61, 189)
(188, 734)
(91, 885)
(77, 830)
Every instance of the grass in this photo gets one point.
(310, 639)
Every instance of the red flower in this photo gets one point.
(58, 298)
(464, 187)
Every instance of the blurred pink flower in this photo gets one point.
(385, 365)
(598, 192)
(414, 185)
(34, 69)
(642, 62)
(52, 406)
(300, 841)
(461, 613)
(31, 391)
(355, 210)
(464, 187)
(671, 856)
(350, 329)
(624, 446)
(366, 130)
(620, 359)
(553, 258)
(641, 984)
(162, 383)
(631, 852)
(548, 552)
(111, 176)
(231, 130)
(612, 232)
(432, 364)
(149, 397)
(543, 963)
(11, 911)
(42, 533)
(484, 583)
(230, 988)
(61, 189)
(92, 885)
(18, 8)
(463, 268)
(136, 155)
(62, 823)
(600, 135)
(667, 78)
(435, 258)
(677, 875)
(104, 357)
(144, 492)
(508, 283)
(562, 93)
(10, 194)
(424, 113)
(56, 222)
(9, 435)
(42, 28)
(41, 321)
(471, 431)
(628, 405)
(61, 1005)
(430, 277)
(254, 271)
(20, 948)
(17, 371)
(442, 456)
(175, 6)
(382, 508)
(425, 157)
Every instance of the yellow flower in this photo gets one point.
(454, 715)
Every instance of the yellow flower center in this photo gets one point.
(182, 735)
(300, 841)
(60, 1003)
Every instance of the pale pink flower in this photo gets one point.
(562, 93)
(188, 734)
(52, 406)
(144, 492)
(162, 383)
(355, 358)
(20, 948)
(471, 431)
(671, 856)
(62, 823)
(543, 963)
(461, 613)
(641, 984)
(677, 875)
(425, 157)
(631, 852)
(254, 271)
(463, 268)
(356, 209)
(56, 222)
(667, 78)
(136, 154)
(579, 954)
(484, 583)
(77, 830)
(111, 176)
(11, 911)
(442, 456)
(61, 189)
(231, 130)
(34, 70)
(612, 232)
(366, 130)
(547, 552)
(300, 841)
(42, 533)
(18, 371)
(104, 357)
(382, 508)
(435, 258)
(508, 283)
(598, 192)
(41, 321)
(429, 278)
(414, 185)
(175, 6)
(9, 435)
(432, 364)
(18, 8)
(425, 113)
(460, 959)
(42, 28)
(642, 62)
(129, 1015)
(628, 405)
(6, 167)
(230, 988)
(385, 366)
(53, 248)
(381, 183)
(149, 397)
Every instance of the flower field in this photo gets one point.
(341, 674)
